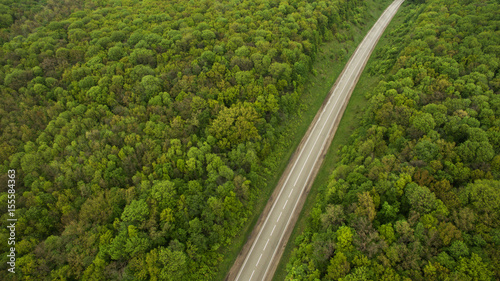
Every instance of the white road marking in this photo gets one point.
(265, 221)
(258, 260)
(285, 204)
(251, 275)
(290, 193)
(273, 230)
(265, 245)
(272, 208)
(321, 131)
(279, 217)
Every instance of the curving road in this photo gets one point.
(260, 256)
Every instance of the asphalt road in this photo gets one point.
(263, 256)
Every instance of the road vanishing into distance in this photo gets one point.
(261, 254)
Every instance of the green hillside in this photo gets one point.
(416, 193)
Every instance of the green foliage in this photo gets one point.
(458, 249)
(474, 268)
(344, 238)
(415, 195)
(116, 53)
(137, 211)
(235, 125)
(145, 130)
(339, 267)
(420, 198)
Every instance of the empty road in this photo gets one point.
(259, 261)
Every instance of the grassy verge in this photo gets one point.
(350, 121)
(327, 68)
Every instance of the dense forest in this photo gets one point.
(22, 17)
(416, 195)
(142, 132)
